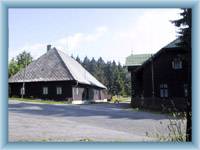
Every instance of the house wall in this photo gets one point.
(163, 104)
(163, 74)
(84, 92)
(35, 90)
(69, 91)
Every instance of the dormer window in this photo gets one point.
(177, 63)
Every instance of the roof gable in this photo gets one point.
(48, 67)
(169, 47)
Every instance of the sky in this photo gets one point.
(112, 34)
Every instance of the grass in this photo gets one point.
(177, 132)
(39, 101)
(120, 99)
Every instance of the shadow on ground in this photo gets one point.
(114, 111)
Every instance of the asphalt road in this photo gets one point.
(95, 122)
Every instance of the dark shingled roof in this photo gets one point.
(170, 46)
(55, 65)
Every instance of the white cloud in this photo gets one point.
(35, 49)
(69, 43)
(77, 40)
(150, 32)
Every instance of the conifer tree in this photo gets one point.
(185, 27)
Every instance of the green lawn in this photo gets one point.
(40, 101)
(120, 98)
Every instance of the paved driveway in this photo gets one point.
(96, 122)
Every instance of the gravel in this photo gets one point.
(92, 122)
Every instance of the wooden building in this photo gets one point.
(160, 81)
(57, 76)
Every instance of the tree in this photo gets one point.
(24, 59)
(100, 73)
(92, 66)
(86, 63)
(78, 59)
(13, 67)
(109, 76)
(112, 75)
(19, 63)
(185, 27)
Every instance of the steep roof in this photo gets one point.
(55, 65)
(171, 46)
(136, 60)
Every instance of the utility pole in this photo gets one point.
(152, 76)
(23, 85)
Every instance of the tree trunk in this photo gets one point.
(189, 103)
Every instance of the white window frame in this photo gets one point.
(59, 90)
(177, 63)
(45, 90)
(164, 91)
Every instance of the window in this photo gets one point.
(45, 90)
(177, 63)
(185, 90)
(59, 90)
(163, 90)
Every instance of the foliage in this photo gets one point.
(18, 63)
(119, 98)
(13, 67)
(112, 75)
(185, 27)
(175, 127)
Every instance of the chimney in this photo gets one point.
(48, 47)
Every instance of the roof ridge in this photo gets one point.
(64, 64)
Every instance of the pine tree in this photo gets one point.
(78, 59)
(112, 75)
(185, 27)
(86, 63)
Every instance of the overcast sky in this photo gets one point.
(112, 34)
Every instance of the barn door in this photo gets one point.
(85, 94)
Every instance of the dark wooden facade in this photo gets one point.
(157, 84)
(70, 91)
